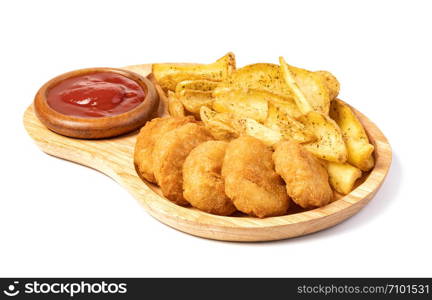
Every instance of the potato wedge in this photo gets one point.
(220, 125)
(281, 121)
(360, 150)
(253, 128)
(199, 85)
(261, 76)
(331, 82)
(342, 177)
(169, 75)
(330, 144)
(309, 88)
(242, 103)
(286, 105)
(175, 107)
(193, 100)
(314, 88)
(300, 99)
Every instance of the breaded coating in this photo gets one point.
(169, 154)
(250, 179)
(203, 185)
(146, 140)
(306, 179)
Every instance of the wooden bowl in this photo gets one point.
(99, 154)
(95, 128)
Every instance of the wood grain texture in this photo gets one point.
(114, 157)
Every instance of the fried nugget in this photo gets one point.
(306, 179)
(203, 185)
(146, 140)
(250, 180)
(169, 154)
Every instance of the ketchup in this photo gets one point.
(95, 95)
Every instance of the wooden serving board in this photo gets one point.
(114, 157)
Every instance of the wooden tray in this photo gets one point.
(114, 157)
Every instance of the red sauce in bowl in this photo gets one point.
(101, 94)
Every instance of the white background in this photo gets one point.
(61, 219)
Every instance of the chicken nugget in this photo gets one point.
(146, 140)
(306, 179)
(169, 154)
(250, 179)
(203, 185)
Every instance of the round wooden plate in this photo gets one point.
(114, 157)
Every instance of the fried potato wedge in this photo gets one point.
(331, 82)
(300, 99)
(330, 144)
(175, 107)
(242, 103)
(342, 177)
(281, 121)
(252, 128)
(360, 150)
(309, 88)
(286, 105)
(193, 100)
(260, 76)
(314, 88)
(169, 75)
(196, 85)
(220, 125)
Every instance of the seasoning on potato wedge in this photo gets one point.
(252, 128)
(169, 75)
(330, 144)
(314, 88)
(360, 150)
(261, 76)
(241, 102)
(196, 85)
(286, 105)
(308, 88)
(278, 119)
